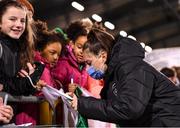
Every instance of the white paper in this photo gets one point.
(59, 93)
(51, 94)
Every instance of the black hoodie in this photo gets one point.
(135, 94)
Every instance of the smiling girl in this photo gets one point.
(16, 50)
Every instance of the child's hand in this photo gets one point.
(40, 84)
(24, 73)
(72, 87)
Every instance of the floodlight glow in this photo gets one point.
(77, 6)
(96, 17)
(109, 25)
(150, 1)
(131, 37)
(123, 33)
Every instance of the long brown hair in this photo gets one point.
(25, 43)
(99, 39)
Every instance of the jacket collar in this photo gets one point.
(13, 44)
(72, 59)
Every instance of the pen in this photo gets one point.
(72, 81)
(5, 99)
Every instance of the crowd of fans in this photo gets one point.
(33, 56)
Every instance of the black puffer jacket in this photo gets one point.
(9, 67)
(135, 94)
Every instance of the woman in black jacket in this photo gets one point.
(135, 94)
(16, 50)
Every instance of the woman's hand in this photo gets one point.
(74, 101)
(99, 64)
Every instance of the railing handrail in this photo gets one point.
(24, 99)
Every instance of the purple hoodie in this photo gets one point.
(67, 68)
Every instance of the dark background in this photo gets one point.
(154, 22)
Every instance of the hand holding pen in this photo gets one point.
(72, 86)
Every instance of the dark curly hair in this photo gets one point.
(75, 30)
(48, 37)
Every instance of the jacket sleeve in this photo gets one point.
(46, 76)
(1, 50)
(60, 72)
(132, 97)
(9, 81)
(22, 85)
(18, 86)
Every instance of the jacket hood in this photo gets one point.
(124, 51)
(39, 58)
(70, 57)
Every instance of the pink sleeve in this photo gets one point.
(60, 72)
(46, 76)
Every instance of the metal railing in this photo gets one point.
(24, 99)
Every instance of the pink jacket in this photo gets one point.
(67, 68)
(46, 75)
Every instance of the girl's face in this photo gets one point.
(13, 22)
(52, 52)
(78, 48)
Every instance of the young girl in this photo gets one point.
(48, 49)
(72, 62)
(16, 50)
(71, 67)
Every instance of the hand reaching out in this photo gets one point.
(24, 73)
(31, 69)
(74, 102)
